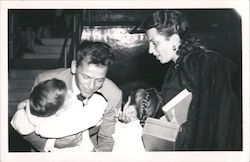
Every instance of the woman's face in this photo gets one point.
(160, 46)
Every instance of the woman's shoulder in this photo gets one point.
(193, 51)
(201, 52)
(201, 57)
(205, 59)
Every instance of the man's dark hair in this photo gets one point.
(47, 97)
(100, 53)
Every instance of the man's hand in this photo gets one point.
(69, 141)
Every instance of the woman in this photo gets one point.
(214, 114)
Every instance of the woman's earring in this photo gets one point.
(174, 48)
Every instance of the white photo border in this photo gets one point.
(241, 6)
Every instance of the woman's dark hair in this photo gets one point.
(167, 22)
(147, 101)
(47, 97)
(100, 53)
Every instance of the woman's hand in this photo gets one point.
(173, 119)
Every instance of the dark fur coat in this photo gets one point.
(214, 117)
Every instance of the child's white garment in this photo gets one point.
(128, 137)
(70, 121)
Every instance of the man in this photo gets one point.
(86, 76)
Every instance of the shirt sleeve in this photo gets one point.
(21, 123)
(73, 120)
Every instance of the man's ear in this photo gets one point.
(175, 40)
(73, 67)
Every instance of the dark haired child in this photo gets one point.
(144, 102)
(54, 112)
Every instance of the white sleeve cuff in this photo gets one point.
(50, 145)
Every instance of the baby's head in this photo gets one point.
(147, 102)
(47, 97)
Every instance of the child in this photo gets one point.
(53, 112)
(143, 103)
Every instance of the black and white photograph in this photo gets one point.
(110, 81)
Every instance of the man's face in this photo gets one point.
(90, 77)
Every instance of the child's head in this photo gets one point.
(147, 102)
(47, 97)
